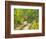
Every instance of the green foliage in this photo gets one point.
(29, 15)
(34, 25)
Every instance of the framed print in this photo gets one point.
(24, 19)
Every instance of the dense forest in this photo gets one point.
(26, 19)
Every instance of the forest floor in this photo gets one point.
(24, 26)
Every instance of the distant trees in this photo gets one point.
(29, 15)
(26, 14)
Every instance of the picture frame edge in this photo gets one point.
(7, 31)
